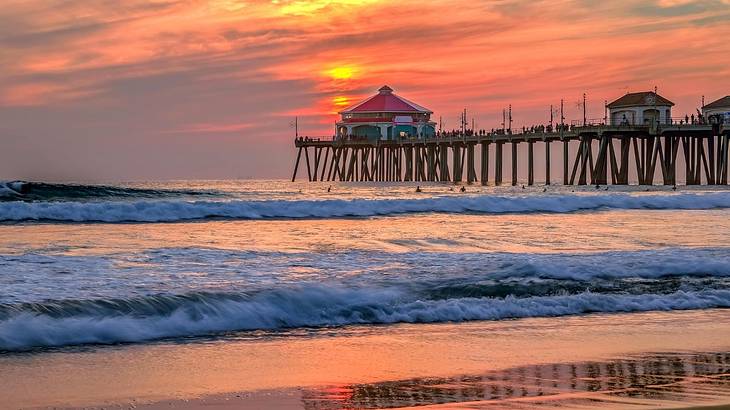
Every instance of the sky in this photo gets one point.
(107, 90)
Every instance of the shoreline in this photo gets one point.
(366, 367)
(690, 381)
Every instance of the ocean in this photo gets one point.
(98, 268)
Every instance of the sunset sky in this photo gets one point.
(108, 90)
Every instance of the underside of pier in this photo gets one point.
(689, 154)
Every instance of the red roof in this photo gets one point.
(386, 101)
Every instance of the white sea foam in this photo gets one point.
(175, 210)
(302, 307)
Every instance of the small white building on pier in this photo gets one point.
(718, 110)
(643, 108)
(385, 116)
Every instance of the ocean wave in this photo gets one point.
(43, 191)
(427, 275)
(177, 210)
(64, 323)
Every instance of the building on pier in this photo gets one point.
(385, 116)
(644, 108)
(718, 110)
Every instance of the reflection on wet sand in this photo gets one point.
(653, 381)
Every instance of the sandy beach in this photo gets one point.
(641, 360)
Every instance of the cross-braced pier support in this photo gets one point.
(596, 155)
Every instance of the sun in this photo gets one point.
(341, 72)
(318, 7)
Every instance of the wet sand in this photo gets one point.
(648, 360)
(643, 381)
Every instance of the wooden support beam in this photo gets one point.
(333, 162)
(296, 165)
(351, 171)
(456, 162)
(688, 161)
(416, 162)
(306, 158)
(431, 162)
(498, 163)
(547, 162)
(650, 160)
(362, 164)
(585, 148)
(589, 161)
(408, 153)
(725, 159)
(341, 169)
(444, 162)
(485, 163)
(420, 163)
(639, 160)
(375, 166)
(600, 171)
(324, 163)
(317, 157)
(705, 165)
(530, 163)
(514, 163)
(470, 172)
(660, 158)
(566, 181)
(668, 166)
(578, 161)
(463, 161)
(624, 168)
(614, 164)
(675, 150)
(711, 159)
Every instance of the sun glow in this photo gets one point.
(341, 102)
(311, 7)
(341, 73)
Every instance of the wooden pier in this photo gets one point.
(593, 154)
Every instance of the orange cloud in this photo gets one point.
(222, 63)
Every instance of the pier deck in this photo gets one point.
(595, 154)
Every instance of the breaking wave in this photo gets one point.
(42, 191)
(27, 326)
(176, 210)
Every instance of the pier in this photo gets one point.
(591, 154)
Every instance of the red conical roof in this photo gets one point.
(386, 101)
